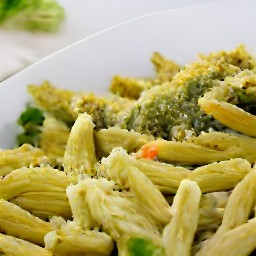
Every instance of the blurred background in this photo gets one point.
(22, 45)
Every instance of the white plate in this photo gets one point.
(88, 65)
(19, 49)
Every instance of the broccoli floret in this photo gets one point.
(35, 15)
(171, 109)
(66, 105)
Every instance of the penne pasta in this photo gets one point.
(221, 176)
(149, 197)
(108, 139)
(230, 115)
(24, 156)
(38, 189)
(72, 240)
(80, 155)
(236, 242)
(54, 138)
(178, 235)
(17, 222)
(13, 246)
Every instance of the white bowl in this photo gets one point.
(179, 34)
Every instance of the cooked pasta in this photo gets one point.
(166, 166)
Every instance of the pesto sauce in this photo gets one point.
(165, 111)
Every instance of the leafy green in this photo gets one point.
(143, 247)
(31, 121)
(31, 116)
(34, 15)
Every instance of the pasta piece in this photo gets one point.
(199, 240)
(117, 212)
(80, 209)
(108, 139)
(128, 87)
(42, 189)
(239, 241)
(235, 144)
(237, 212)
(165, 68)
(54, 100)
(149, 197)
(240, 204)
(17, 222)
(165, 176)
(54, 137)
(23, 156)
(72, 240)
(80, 156)
(230, 115)
(211, 210)
(178, 235)
(204, 149)
(34, 202)
(115, 166)
(224, 175)
(185, 153)
(13, 246)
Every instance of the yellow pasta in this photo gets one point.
(24, 156)
(13, 246)
(230, 115)
(237, 212)
(165, 68)
(236, 242)
(54, 137)
(186, 153)
(17, 222)
(132, 167)
(178, 235)
(224, 175)
(80, 210)
(118, 212)
(166, 177)
(211, 211)
(72, 240)
(38, 189)
(240, 204)
(108, 139)
(128, 87)
(80, 155)
(149, 197)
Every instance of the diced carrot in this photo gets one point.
(148, 151)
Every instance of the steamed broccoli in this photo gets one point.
(66, 105)
(34, 15)
(171, 109)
